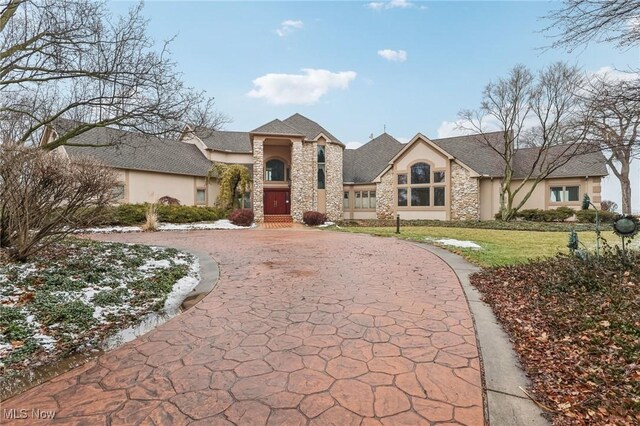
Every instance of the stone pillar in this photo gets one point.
(465, 193)
(258, 180)
(334, 186)
(384, 197)
(298, 181)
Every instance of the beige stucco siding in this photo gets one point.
(148, 187)
(230, 157)
(540, 197)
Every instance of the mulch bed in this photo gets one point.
(575, 325)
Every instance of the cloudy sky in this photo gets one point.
(357, 67)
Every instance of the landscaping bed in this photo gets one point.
(575, 325)
(78, 292)
(515, 225)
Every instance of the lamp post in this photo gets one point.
(586, 202)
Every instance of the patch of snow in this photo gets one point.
(219, 224)
(182, 288)
(48, 343)
(326, 225)
(155, 264)
(455, 243)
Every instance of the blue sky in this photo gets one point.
(252, 57)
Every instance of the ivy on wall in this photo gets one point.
(234, 180)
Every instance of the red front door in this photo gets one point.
(276, 201)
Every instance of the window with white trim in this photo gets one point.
(201, 196)
(365, 199)
(562, 194)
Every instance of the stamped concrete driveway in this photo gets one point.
(304, 327)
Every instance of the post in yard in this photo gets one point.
(398, 223)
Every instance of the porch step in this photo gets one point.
(278, 218)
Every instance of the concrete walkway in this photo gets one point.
(304, 327)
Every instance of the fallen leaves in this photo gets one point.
(575, 327)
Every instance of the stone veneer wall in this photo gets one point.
(302, 187)
(465, 194)
(258, 180)
(333, 179)
(384, 197)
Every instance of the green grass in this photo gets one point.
(499, 247)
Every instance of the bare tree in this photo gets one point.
(612, 118)
(44, 197)
(584, 21)
(540, 109)
(73, 59)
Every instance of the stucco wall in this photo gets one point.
(230, 157)
(148, 187)
(540, 197)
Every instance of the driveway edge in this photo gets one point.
(505, 402)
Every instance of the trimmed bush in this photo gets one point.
(312, 218)
(589, 216)
(241, 217)
(135, 214)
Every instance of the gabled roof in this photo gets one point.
(136, 151)
(277, 127)
(309, 128)
(223, 140)
(586, 162)
(473, 151)
(368, 161)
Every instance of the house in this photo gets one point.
(298, 165)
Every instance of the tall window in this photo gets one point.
(201, 196)
(274, 171)
(424, 187)
(321, 169)
(345, 200)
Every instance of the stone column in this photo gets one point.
(385, 196)
(297, 181)
(465, 192)
(334, 186)
(258, 180)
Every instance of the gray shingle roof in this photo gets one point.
(365, 163)
(586, 162)
(309, 128)
(222, 140)
(473, 151)
(140, 152)
(277, 127)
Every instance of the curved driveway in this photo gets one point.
(304, 327)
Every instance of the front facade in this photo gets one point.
(298, 166)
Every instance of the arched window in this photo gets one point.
(420, 173)
(274, 172)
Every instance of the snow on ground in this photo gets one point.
(454, 243)
(326, 225)
(182, 288)
(219, 224)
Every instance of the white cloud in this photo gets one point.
(299, 89)
(392, 4)
(393, 55)
(353, 145)
(609, 73)
(403, 140)
(461, 127)
(289, 26)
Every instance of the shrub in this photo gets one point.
(169, 201)
(554, 215)
(135, 214)
(241, 217)
(312, 218)
(151, 219)
(589, 216)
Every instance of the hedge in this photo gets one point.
(589, 216)
(134, 214)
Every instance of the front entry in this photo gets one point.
(277, 201)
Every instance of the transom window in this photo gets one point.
(365, 199)
(561, 194)
(274, 171)
(422, 187)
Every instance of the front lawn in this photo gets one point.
(498, 247)
(576, 327)
(77, 293)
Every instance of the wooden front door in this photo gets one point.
(276, 201)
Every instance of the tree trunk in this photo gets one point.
(625, 187)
